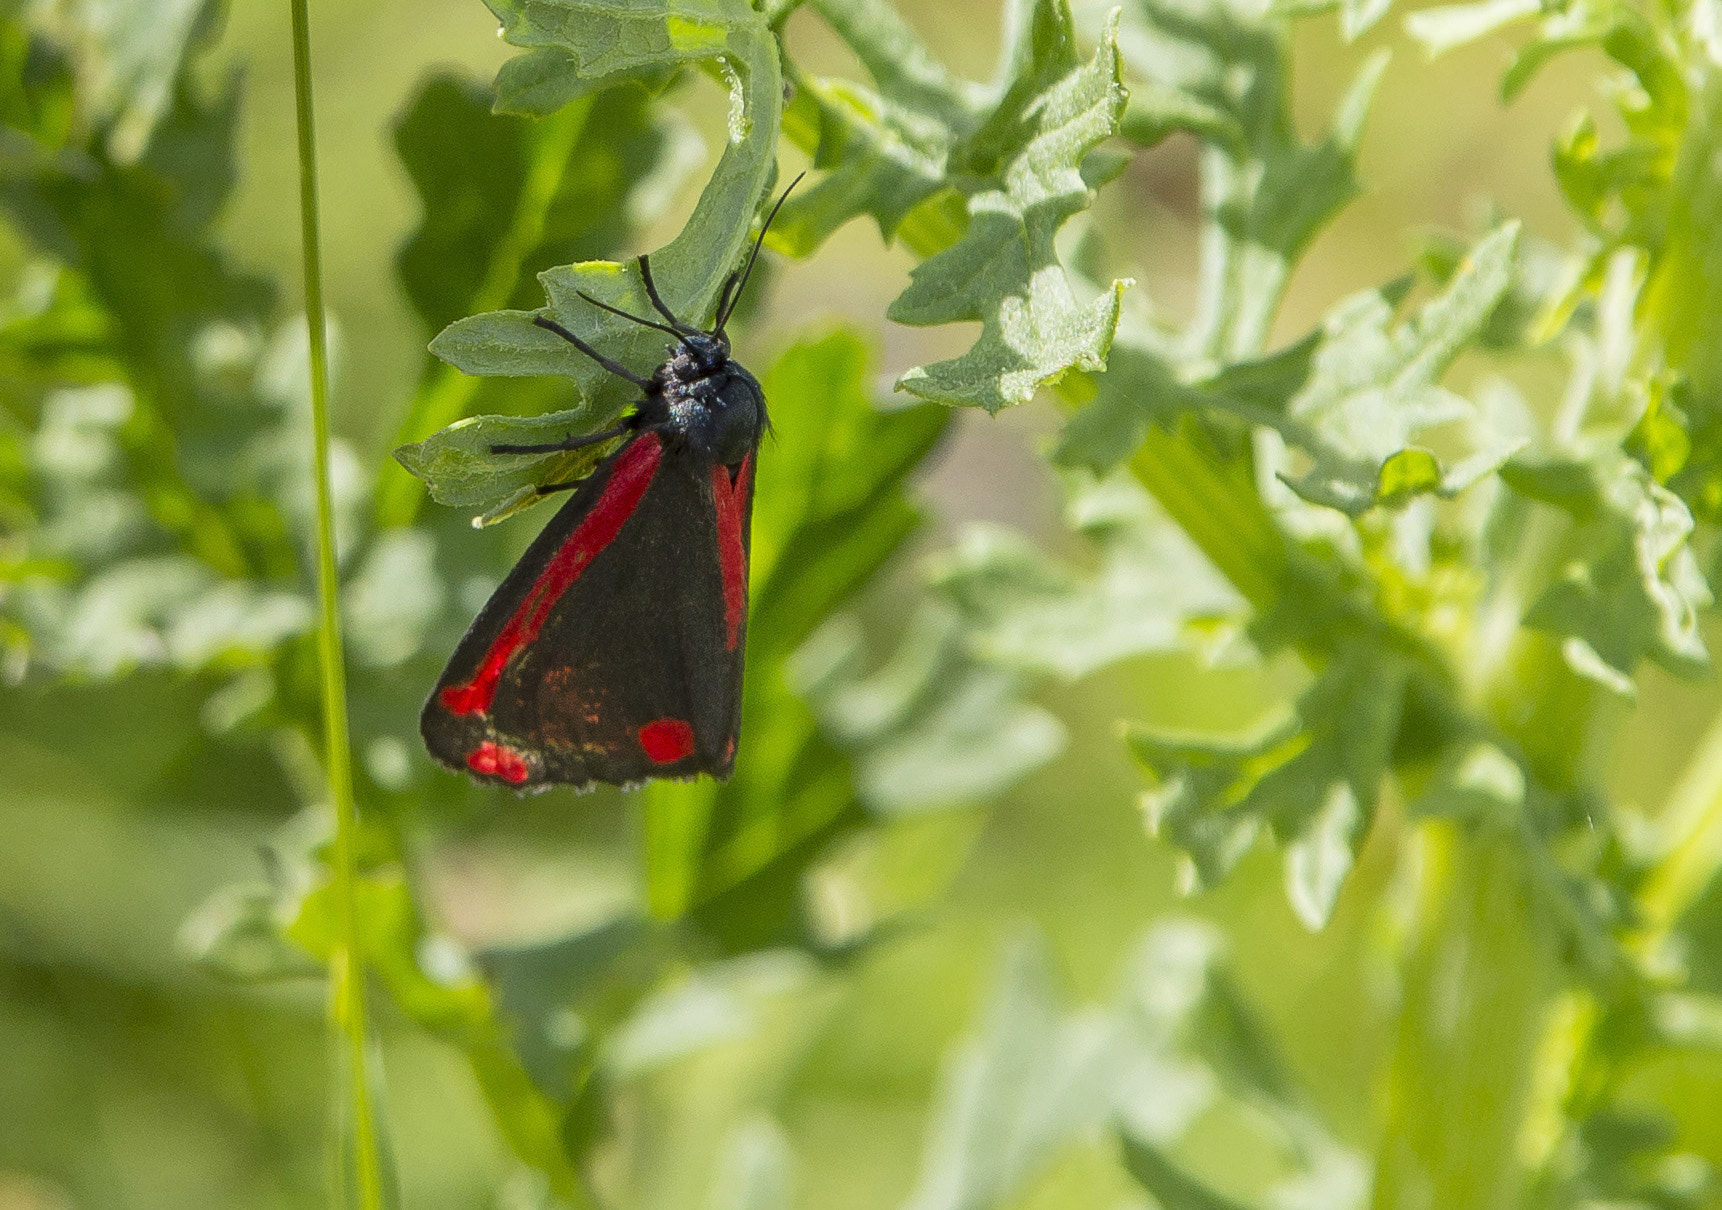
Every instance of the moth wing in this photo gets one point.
(613, 651)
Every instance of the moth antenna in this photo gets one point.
(615, 367)
(730, 300)
(724, 296)
(681, 328)
(650, 323)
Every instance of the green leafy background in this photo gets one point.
(1232, 728)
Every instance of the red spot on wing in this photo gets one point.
(667, 740)
(635, 467)
(498, 760)
(729, 496)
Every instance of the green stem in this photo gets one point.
(347, 973)
(1216, 505)
(1693, 820)
(1478, 976)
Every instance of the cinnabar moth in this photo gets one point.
(613, 651)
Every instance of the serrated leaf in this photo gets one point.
(1637, 590)
(1139, 388)
(586, 47)
(1314, 779)
(1004, 272)
(1218, 70)
(1211, 69)
(883, 159)
(1374, 387)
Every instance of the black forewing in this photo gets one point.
(631, 662)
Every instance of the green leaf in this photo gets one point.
(1636, 590)
(1004, 271)
(1220, 70)
(1410, 472)
(1444, 27)
(393, 598)
(460, 471)
(1172, 1187)
(1314, 779)
(149, 305)
(1374, 387)
(884, 160)
(1033, 1078)
(1030, 1082)
(505, 198)
(1023, 611)
(236, 934)
(581, 46)
(128, 56)
(930, 728)
(1141, 387)
(584, 47)
(454, 1005)
(1660, 440)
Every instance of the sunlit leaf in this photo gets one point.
(1004, 271)
(1374, 386)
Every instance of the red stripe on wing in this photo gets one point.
(730, 500)
(635, 467)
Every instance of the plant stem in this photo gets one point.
(1477, 978)
(347, 972)
(1692, 820)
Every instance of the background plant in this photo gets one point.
(1390, 577)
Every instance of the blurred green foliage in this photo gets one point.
(1377, 582)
